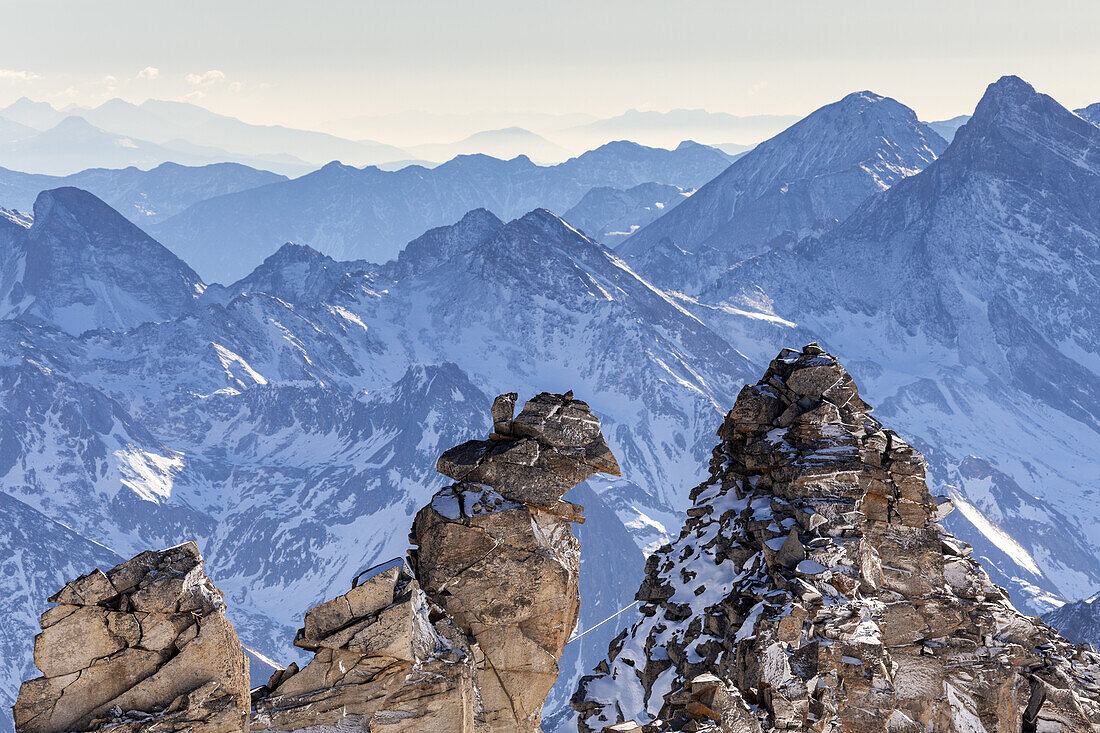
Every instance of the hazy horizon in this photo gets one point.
(497, 63)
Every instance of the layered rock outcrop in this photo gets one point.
(384, 659)
(145, 646)
(811, 589)
(495, 550)
(468, 638)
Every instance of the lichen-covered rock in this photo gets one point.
(144, 646)
(812, 590)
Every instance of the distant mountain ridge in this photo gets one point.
(74, 145)
(189, 131)
(610, 215)
(351, 213)
(1090, 113)
(947, 128)
(505, 143)
(142, 196)
(798, 183)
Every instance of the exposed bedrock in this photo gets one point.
(145, 646)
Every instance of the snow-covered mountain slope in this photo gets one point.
(436, 246)
(350, 213)
(39, 557)
(798, 183)
(142, 196)
(295, 272)
(538, 303)
(81, 265)
(294, 433)
(1078, 621)
(610, 215)
(1090, 113)
(973, 326)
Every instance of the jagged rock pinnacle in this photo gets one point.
(811, 589)
(495, 550)
(144, 646)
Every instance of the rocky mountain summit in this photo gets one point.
(144, 646)
(466, 638)
(813, 589)
(797, 184)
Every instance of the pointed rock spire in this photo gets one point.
(811, 589)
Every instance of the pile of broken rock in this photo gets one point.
(811, 589)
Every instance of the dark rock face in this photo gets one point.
(145, 646)
(812, 589)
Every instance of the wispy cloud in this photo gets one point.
(149, 72)
(210, 78)
(13, 75)
(758, 87)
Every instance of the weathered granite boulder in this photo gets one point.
(385, 659)
(495, 550)
(811, 589)
(144, 646)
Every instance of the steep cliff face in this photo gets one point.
(812, 589)
(496, 551)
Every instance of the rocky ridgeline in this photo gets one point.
(144, 646)
(464, 639)
(811, 589)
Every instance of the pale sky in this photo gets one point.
(304, 63)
